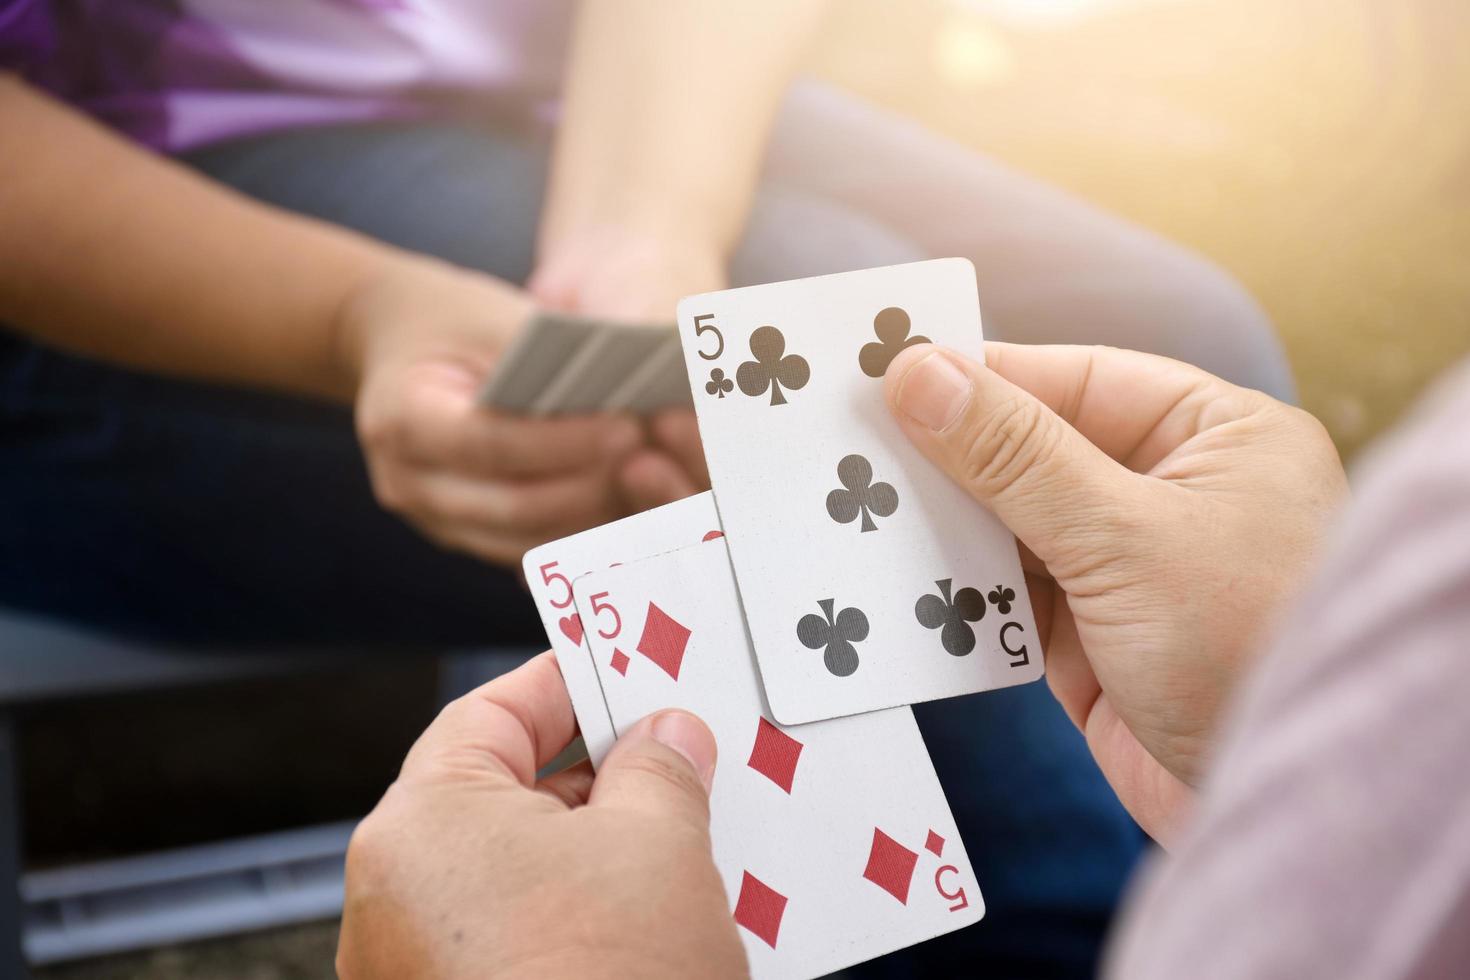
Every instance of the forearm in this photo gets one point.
(114, 252)
(668, 105)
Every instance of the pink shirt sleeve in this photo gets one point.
(1333, 837)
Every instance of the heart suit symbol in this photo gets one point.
(571, 627)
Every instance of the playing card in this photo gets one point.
(534, 359)
(868, 578)
(601, 366)
(551, 568)
(565, 363)
(660, 383)
(834, 839)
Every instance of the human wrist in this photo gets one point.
(679, 224)
(347, 329)
(635, 273)
(357, 320)
(379, 309)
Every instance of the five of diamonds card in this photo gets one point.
(830, 579)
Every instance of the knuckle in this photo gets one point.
(582, 501)
(369, 884)
(391, 492)
(501, 508)
(1312, 430)
(1313, 467)
(1007, 444)
(376, 847)
(365, 851)
(464, 510)
(497, 446)
(378, 431)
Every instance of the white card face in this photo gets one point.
(551, 569)
(834, 839)
(868, 578)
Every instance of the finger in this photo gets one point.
(651, 479)
(509, 545)
(446, 427)
(1043, 594)
(1135, 407)
(677, 433)
(571, 786)
(662, 767)
(1069, 674)
(1053, 488)
(493, 547)
(1156, 799)
(504, 730)
(519, 446)
(1030, 564)
(523, 508)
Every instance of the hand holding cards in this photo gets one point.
(834, 839)
(551, 569)
(854, 580)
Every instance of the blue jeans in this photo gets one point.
(160, 507)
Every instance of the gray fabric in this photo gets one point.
(1333, 838)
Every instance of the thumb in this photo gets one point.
(1053, 488)
(663, 765)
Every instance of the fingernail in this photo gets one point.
(689, 737)
(934, 392)
(623, 436)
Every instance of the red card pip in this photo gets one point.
(834, 839)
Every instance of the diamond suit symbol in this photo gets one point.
(620, 661)
(664, 640)
(890, 866)
(934, 844)
(774, 754)
(759, 908)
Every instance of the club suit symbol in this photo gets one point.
(834, 635)
(892, 327)
(951, 616)
(772, 368)
(1001, 598)
(859, 495)
(718, 385)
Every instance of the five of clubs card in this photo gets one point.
(868, 578)
(831, 578)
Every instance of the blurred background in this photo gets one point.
(1311, 147)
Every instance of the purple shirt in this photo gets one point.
(1333, 836)
(179, 74)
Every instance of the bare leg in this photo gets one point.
(1051, 267)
